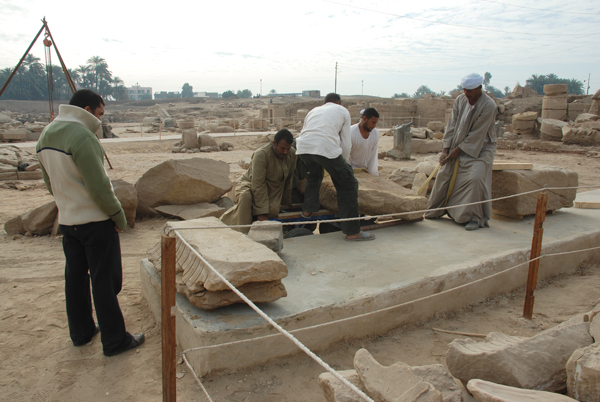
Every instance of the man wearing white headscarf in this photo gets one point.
(467, 158)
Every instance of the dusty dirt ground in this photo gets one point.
(39, 362)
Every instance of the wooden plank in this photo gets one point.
(502, 165)
(587, 204)
(536, 248)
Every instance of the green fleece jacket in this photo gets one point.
(72, 162)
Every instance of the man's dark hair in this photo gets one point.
(86, 97)
(370, 112)
(284, 134)
(332, 97)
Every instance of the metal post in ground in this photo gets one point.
(536, 248)
(169, 343)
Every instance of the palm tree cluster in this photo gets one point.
(537, 82)
(30, 81)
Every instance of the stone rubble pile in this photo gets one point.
(18, 164)
(502, 368)
(15, 127)
(253, 268)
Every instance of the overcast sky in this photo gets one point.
(381, 47)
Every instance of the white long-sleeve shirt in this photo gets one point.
(326, 132)
(364, 151)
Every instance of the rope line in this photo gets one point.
(189, 366)
(274, 223)
(389, 308)
(277, 326)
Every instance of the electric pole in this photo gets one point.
(335, 87)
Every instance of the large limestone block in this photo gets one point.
(268, 233)
(582, 118)
(525, 116)
(510, 182)
(257, 292)
(438, 376)
(533, 363)
(426, 167)
(555, 89)
(485, 391)
(417, 132)
(431, 146)
(551, 129)
(405, 176)
(194, 211)
(182, 182)
(555, 102)
(39, 221)
(239, 259)
(337, 391)
(205, 140)
(189, 138)
(553, 114)
(377, 196)
(127, 195)
(14, 226)
(583, 374)
(523, 126)
(435, 125)
(394, 383)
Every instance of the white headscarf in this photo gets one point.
(471, 81)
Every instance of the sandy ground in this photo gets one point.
(39, 362)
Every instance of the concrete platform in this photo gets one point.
(409, 274)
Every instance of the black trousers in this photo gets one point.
(93, 251)
(345, 185)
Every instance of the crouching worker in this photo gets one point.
(266, 185)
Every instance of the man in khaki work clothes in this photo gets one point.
(469, 148)
(266, 185)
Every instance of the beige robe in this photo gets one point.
(472, 131)
(265, 186)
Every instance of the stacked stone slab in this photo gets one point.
(554, 104)
(552, 130)
(251, 267)
(511, 182)
(377, 196)
(400, 112)
(10, 159)
(524, 123)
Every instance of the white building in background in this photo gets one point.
(137, 92)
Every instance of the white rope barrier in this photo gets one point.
(196, 377)
(273, 223)
(389, 308)
(277, 326)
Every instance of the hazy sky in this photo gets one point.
(381, 47)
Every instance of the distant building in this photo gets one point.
(137, 92)
(167, 95)
(206, 95)
(313, 93)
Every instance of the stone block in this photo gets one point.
(225, 203)
(583, 374)
(258, 292)
(15, 134)
(523, 126)
(426, 146)
(584, 117)
(392, 383)
(127, 196)
(377, 196)
(435, 125)
(251, 262)
(525, 116)
(555, 89)
(14, 226)
(268, 233)
(189, 138)
(404, 176)
(486, 391)
(510, 182)
(580, 136)
(336, 391)
(441, 379)
(416, 132)
(558, 102)
(205, 140)
(554, 114)
(185, 124)
(39, 221)
(149, 121)
(425, 167)
(551, 130)
(531, 363)
(245, 163)
(193, 211)
(182, 182)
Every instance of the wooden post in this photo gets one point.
(536, 248)
(169, 344)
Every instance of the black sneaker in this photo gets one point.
(136, 340)
(96, 331)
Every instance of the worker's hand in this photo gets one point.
(455, 153)
(444, 156)
(262, 217)
(117, 229)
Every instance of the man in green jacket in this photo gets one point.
(266, 185)
(90, 218)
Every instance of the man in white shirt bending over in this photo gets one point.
(324, 143)
(365, 138)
